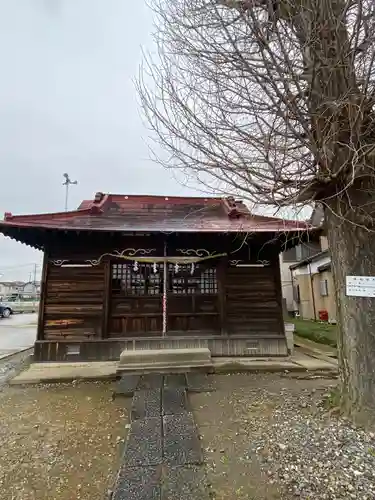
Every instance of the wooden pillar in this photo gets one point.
(43, 292)
(106, 298)
(279, 296)
(165, 292)
(221, 282)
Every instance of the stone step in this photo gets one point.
(165, 361)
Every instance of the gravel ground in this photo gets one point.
(265, 437)
(60, 441)
(270, 437)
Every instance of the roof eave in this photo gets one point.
(24, 225)
(308, 260)
(325, 267)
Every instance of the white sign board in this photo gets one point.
(360, 286)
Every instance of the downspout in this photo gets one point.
(312, 291)
(294, 300)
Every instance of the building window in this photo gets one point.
(142, 279)
(183, 281)
(324, 288)
(128, 279)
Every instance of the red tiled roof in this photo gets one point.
(155, 213)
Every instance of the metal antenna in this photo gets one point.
(67, 183)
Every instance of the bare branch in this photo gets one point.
(272, 97)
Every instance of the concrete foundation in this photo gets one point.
(64, 372)
(165, 360)
(289, 334)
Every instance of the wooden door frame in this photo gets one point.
(126, 296)
(216, 297)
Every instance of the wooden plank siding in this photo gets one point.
(43, 293)
(110, 349)
(74, 300)
(253, 304)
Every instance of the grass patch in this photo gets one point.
(333, 399)
(332, 402)
(323, 333)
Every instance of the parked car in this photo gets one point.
(20, 303)
(5, 310)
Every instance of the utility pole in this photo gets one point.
(34, 281)
(67, 183)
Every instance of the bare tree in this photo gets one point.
(275, 98)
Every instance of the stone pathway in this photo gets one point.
(163, 456)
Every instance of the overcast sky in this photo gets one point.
(68, 104)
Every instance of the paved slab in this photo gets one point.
(315, 363)
(64, 372)
(126, 385)
(138, 483)
(184, 483)
(249, 364)
(303, 343)
(181, 442)
(162, 452)
(174, 401)
(150, 381)
(144, 443)
(175, 380)
(146, 403)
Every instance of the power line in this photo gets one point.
(2, 268)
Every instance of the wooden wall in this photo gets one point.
(73, 302)
(253, 302)
(78, 303)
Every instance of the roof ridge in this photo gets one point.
(8, 216)
(165, 196)
(273, 218)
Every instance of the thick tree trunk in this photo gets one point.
(353, 254)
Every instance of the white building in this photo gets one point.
(10, 287)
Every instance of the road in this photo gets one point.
(16, 333)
